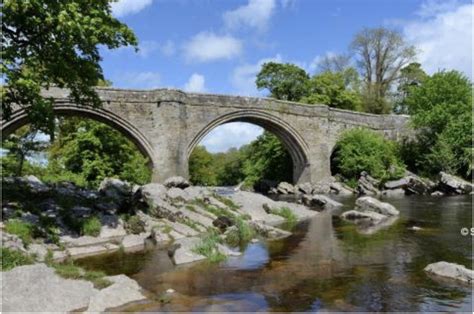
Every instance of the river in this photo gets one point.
(325, 265)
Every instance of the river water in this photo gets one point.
(326, 265)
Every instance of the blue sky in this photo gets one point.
(218, 46)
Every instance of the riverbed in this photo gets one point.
(325, 265)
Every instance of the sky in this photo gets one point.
(218, 46)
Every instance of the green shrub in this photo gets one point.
(243, 233)
(364, 150)
(22, 229)
(91, 227)
(135, 225)
(71, 271)
(13, 258)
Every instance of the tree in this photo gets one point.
(330, 88)
(380, 54)
(441, 112)
(285, 81)
(201, 167)
(50, 42)
(411, 76)
(334, 63)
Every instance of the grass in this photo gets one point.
(190, 223)
(70, 271)
(243, 233)
(13, 258)
(227, 201)
(216, 211)
(290, 217)
(20, 228)
(91, 227)
(208, 247)
(135, 225)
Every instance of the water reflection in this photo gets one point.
(325, 265)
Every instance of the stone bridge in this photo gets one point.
(166, 125)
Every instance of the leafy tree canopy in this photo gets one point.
(50, 42)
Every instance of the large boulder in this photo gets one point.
(451, 270)
(11, 241)
(223, 222)
(153, 198)
(115, 188)
(285, 188)
(358, 216)
(177, 182)
(305, 188)
(269, 232)
(341, 189)
(396, 184)
(367, 203)
(454, 185)
(36, 185)
(122, 291)
(418, 185)
(182, 251)
(367, 185)
(320, 201)
(34, 288)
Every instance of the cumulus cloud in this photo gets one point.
(196, 83)
(255, 14)
(443, 34)
(128, 7)
(230, 135)
(207, 46)
(243, 77)
(148, 47)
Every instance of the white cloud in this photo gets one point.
(243, 76)
(168, 48)
(207, 46)
(255, 14)
(140, 80)
(148, 47)
(230, 135)
(128, 7)
(443, 34)
(196, 83)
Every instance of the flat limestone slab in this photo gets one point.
(36, 288)
(83, 251)
(451, 270)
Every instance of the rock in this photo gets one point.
(305, 188)
(367, 185)
(182, 251)
(454, 185)
(122, 291)
(84, 251)
(152, 198)
(417, 185)
(415, 228)
(34, 288)
(35, 185)
(12, 241)
(320, 201)
(394, 192)
(69, 241)
(451, 270)
(341, 189)
(134, 241)
(81, 211)
(177, 182)
(115, 188)
(437, 193)
(38, 250)
(396, 184)
(374, 227)
(112, 233)
(178, 194)
(170, 291)
(367, 203)
(269, 232)
(227, 251)
(30, 218)
(285, 188)
(254, 240)
(357, 216)
(223, 222)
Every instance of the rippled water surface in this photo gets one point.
(326, 265)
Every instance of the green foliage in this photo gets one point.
(329, 88)
(288, 214)
(285, 81)
(411, 77)
(208, 247)
(22, 229)
(91, 226)
(13, 258)
(46, 42)
(364, 150)
(441, 109)
(267, 158)
(241, 234)
(135, 225)
(93, 151)
(201, 167)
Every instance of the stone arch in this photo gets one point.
(291, 139)
(20, 118)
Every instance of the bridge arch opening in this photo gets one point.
(112, 132)
(295, 149)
